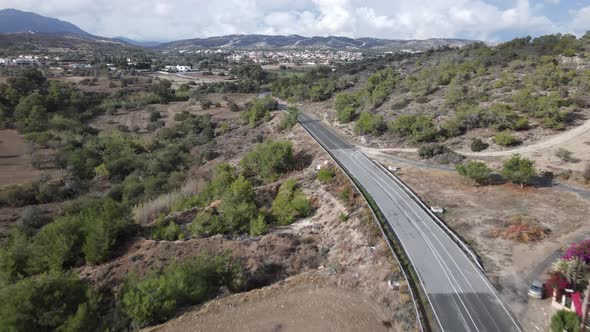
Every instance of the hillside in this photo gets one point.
(298, 42)
(12, 20)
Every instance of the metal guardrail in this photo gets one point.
(419, 320)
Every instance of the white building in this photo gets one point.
(183, 68)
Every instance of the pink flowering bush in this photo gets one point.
(580, 250)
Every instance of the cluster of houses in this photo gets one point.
(293, 56)
(21, 61)
(25, 61)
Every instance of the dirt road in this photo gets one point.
(580, 133)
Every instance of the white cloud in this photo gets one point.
(580, 23)
(402, 19)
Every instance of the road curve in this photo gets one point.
(460, 295)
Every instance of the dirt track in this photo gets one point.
(559, 139)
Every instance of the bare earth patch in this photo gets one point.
(307, 302)
(475, 212)
(324, 273)
(15, 160)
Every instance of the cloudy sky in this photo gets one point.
(163, 20)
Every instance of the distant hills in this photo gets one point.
(14, 21)
(137, 43)
(299, 42)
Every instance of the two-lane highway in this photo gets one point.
(461, 297)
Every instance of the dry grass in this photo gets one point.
(145, 213)
(521, 229)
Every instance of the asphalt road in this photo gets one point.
(461, 296)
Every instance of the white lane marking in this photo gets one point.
(452, 260)
(409, 257)
(455, 284)
(436, 237)
(479, 273)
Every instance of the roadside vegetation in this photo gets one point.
(106, 175)
(516, 86)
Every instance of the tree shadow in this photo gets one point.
(302, 160)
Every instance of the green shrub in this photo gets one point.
(476, 171)
(155, 116)
(369, 123)
(236, 212)
(156, 297)
(518, 170)
(345, 194)
(15, 195)
(208, 222)
(346, 105)
(343, 217)
(49, 302)
(183, 116)
(166, 229)
(478, 145)
(238, 207)
(290, 203)
(258, 225)
(325, 175)
(92, 232)
(506, 139)
(269, 159)
(418, 127)
(565, 321)
(427, 151)
(346, 115)
(290, 119)
(260, 109)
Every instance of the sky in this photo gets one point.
(166, 20)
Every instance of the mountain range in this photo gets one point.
(12, 21)
(297, 41)
(16, 21)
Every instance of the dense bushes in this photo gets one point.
(427, 151)
(417, 127)
(268, 160)
(37, 192)
(234, 213)
(368, 123)
(564, 320)
(260, 109)
(90, 234)
(289, 120)
(49, 302)
(166, 229)
(506, 139)
(28, 102)
(156, 297)
(325, 175)
(544, 107)
(478, 145)
(346, 106)
(316, 84)
(290, 203)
